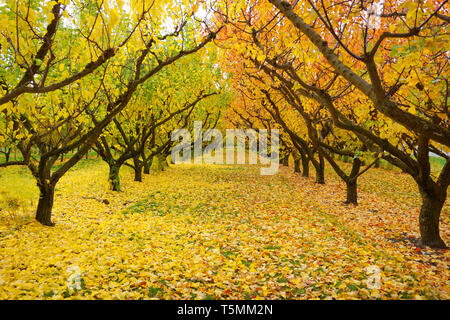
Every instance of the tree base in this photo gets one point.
(45, 222)
(435, 243)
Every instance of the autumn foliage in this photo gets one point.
(92, 207)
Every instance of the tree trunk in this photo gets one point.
(45, 205)
(305, 167)
(7, 154)
(320, 175)
(320, 171)
(430, 212)
(352, 192)
(138, 173)
(377, 164)
(285, 161)
(137, 169)
(114, 179)
(148, 165)
(352, 182)
(297, 165)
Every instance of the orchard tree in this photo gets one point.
(59, 122)
(406, 90)
(45, 46)
(394, 65)
(320, 132)
(246, 112)
(134, 133)
(170, 96)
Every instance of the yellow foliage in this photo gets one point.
(221, 232)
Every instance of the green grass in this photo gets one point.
(82, 164)
(437, 163)
(17, 181)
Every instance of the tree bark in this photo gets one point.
(430, 212)
(377, 164)
(114, 178)
(45, 204)
(352, 181)
(285, 161)
(297, 165)
(320, 175)
(138, 173)
(148, 165)
(352, 192)
(7, 154)
(320, 171)
(305, 167)
(137, 169)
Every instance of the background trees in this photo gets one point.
(45, 126)
(45, 47)
(337, 79)
(363, 64)
(373, 79)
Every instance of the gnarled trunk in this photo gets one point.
(45, 204)
(114, 179)
(430, 212)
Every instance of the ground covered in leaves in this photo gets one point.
(221, 232)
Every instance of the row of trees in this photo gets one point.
(342, 80)
(82, 75)
(337, 78)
